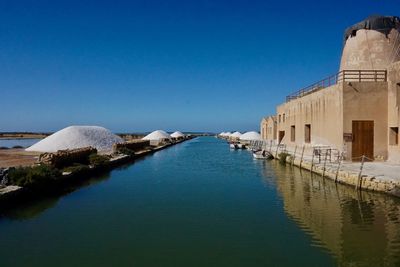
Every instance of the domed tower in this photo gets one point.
(372, 44)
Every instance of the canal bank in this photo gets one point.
(381, 177)
(201, 204)
(11, 194)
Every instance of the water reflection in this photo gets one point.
(34, 205)
(357, 228)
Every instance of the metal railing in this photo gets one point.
(342, 76)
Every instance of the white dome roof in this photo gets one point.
(177, 134)
(157, 135)
(235, 134)
(73, 137)
(248, 136)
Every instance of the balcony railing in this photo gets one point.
(342, 76)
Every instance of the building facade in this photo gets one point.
(356, 111)
(268, 128)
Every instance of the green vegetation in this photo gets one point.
(17, 147)
(3, 147)
(126, 151)
(76, 167)
(29, 176)
(97, 160)
(282, 157)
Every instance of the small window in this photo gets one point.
(284, 117)
(307, 133)
(279, 118)
(293, 133)
(394, 136)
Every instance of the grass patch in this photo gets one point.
(30, 176)
(76, 167)
(98, 160)
(126, 151)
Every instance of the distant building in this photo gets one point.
(355, 111)
(268, 128)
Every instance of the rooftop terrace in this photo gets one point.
(342, 76)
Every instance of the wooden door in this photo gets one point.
(363, 139)
(281, 135)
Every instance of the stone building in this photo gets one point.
(268, 128)
(355, 111)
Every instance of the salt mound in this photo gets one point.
(177, 134)
(74, 137)
(249, 136)
(235, 135)
(157, 135)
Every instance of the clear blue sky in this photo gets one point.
(135, 66)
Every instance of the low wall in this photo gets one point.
(134, 145)
(66, 157)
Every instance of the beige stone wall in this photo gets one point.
(268, 128)
(322, 110)
(370, 50)
(393, 108)
(366, 101)
(263, 128)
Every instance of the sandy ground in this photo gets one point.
(22, 136)
(17, 157)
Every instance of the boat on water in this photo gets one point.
(262, 154)
(236, 146)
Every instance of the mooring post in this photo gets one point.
(294, 154)
(338, 169)
(302, 154)
(326, 156)
(270, 147)
(276, 152)
(358, 185)
(312, 160)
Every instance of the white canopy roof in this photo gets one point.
(235, 134)
(249, 136)
(177, 134)
(157, 135)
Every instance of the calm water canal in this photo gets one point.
(200, 204)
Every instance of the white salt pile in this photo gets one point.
(157, 136)
(177, 134)
(74, 137)
(235, 135)
(250, 136)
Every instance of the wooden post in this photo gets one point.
(270, 147)
(312, 160)
(302, 154)
(326, 156)
(358, 185)
(294, 154)
(338, 169)
(276, 152)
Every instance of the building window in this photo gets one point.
(279, 118)
(284, 117)
(307, 133)
(394, 136)
(293, 133)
